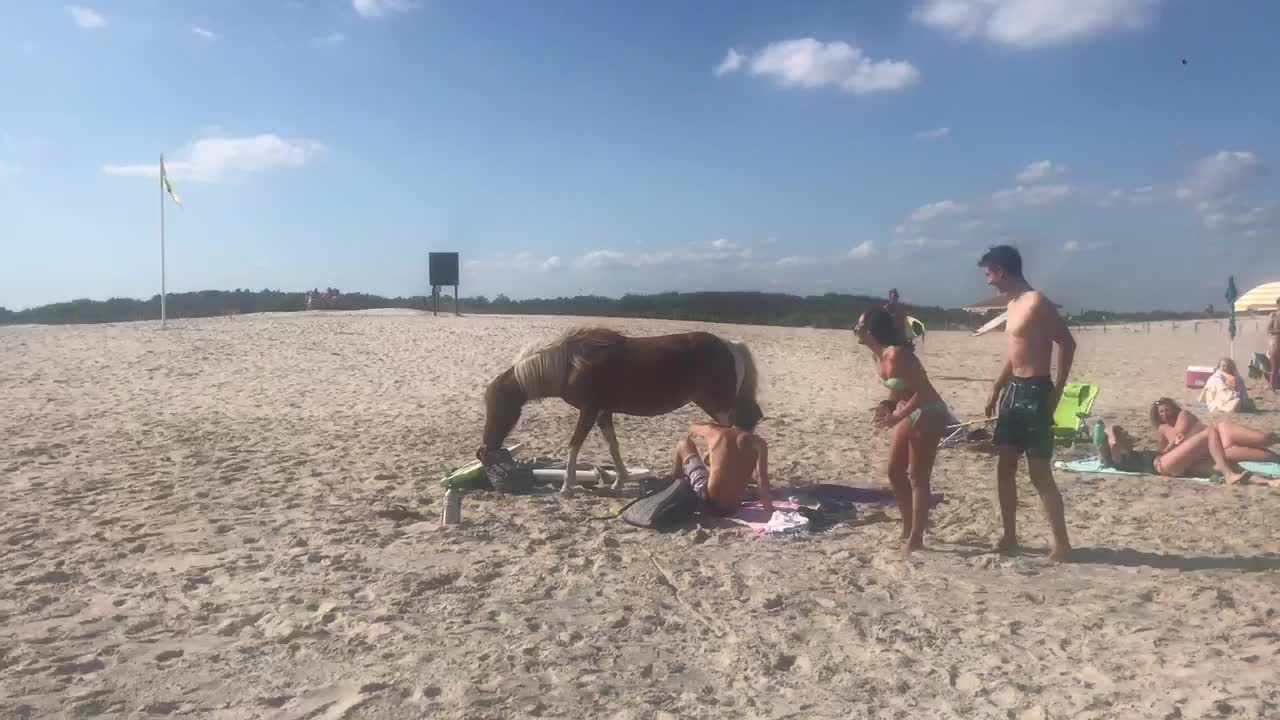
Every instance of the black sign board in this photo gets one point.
(444, 268)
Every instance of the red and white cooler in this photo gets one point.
(1198, 375)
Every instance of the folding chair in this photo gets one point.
(1072, 411)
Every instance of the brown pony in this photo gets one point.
(602, 372)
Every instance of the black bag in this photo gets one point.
(669, 507)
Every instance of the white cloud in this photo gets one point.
(1070, 246)
(1213, 189)
(808, 63)
(203, 33)
(935, 210)
(85, 18)
(380, 8)
(799, 261)
(552, 264)
(1219, 174)
(600, 259)
(724, 245)
(214, 159)
(1034, 23)
(933, 134)
(1042, 170)
(332, 40)
(864, 249)
(1031, 196)
(732, 63)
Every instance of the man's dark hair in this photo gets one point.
(1003, 257)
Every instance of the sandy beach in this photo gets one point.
(239, 518)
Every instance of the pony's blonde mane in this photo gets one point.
(744, 366)
(542, 368)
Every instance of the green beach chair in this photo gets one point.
(1073, 408)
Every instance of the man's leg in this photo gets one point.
(1007, 489)
(1273, 356)
(683, 449)
(1041, 471)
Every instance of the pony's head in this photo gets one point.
(746, 412)
(503, 400)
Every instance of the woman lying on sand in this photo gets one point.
(914, 411)
(1214, 447)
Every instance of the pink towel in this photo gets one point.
(785, 518)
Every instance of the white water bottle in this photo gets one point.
(452, 514)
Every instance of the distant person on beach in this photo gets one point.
(898, 312)
(1273, 348)
(913, 412)
(1026, 395)
(735, 454)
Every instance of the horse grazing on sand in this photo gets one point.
(601, 372)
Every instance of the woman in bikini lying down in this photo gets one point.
(1209, 448)
(915, 414)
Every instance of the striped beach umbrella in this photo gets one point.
(1262, 297)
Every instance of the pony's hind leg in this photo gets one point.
(586, 418)
(606, 428)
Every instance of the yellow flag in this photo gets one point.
(164, 183)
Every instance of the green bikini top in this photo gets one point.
(894, 383)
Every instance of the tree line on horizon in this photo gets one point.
(830, 310)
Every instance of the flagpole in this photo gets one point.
(162, 287)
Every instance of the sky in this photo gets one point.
(581, 147)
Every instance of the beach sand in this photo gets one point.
(239, 518)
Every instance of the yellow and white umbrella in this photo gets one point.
(1262, 297)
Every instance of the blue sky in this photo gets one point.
(586, 147)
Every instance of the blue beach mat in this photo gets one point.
(1095, 466)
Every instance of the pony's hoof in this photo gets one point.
(566, 492)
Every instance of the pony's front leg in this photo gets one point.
(586, 418)
(606, 428)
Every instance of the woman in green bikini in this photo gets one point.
(915, 414)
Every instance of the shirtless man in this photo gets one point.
(735, 454)
(1025, 424)
(1273, 350)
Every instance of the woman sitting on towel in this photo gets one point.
(1225, 390)
(913, 411)
(1173, 424)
